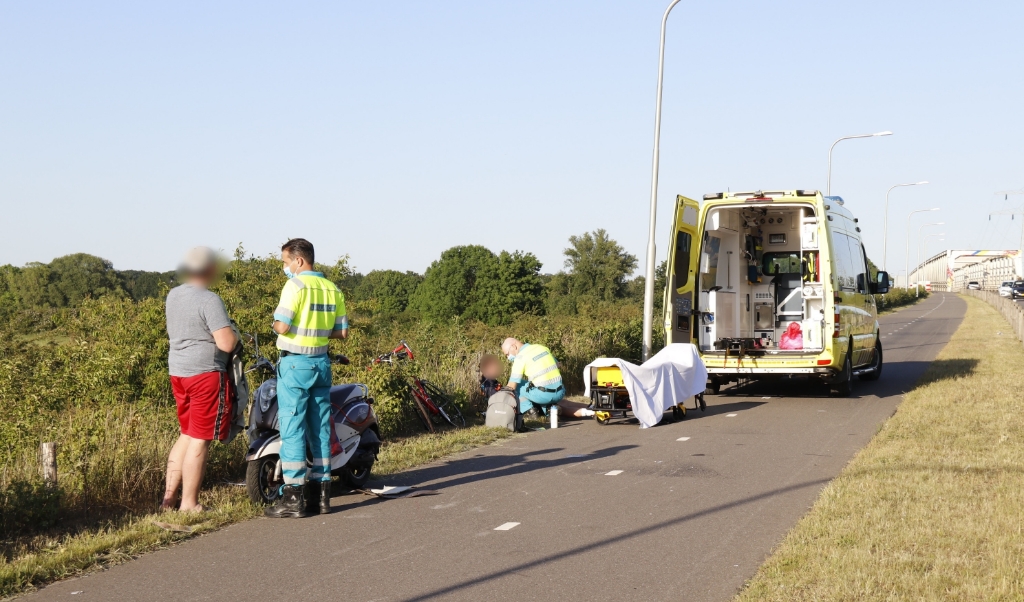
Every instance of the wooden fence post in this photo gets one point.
(48, 458)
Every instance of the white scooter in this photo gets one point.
(355, 438)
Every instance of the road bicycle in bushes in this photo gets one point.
(432, 406)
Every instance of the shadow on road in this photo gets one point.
(714, 409)
(486, 466)
(505, 571)
(897, 378)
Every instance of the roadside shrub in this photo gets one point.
(898, 297)
(28, 504)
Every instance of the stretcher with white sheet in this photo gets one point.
(663, 383)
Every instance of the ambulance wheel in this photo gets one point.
(843, 385)
(713, 387)
(602, 418)
(876, 364)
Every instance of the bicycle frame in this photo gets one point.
(421, 396)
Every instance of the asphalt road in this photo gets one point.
(684, 519)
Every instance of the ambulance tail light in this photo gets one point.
(835, 330)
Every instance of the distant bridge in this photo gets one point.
(953, 269)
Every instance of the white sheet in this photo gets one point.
(669, 378)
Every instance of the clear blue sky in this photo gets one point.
(392, 131)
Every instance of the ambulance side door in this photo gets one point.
(681, 274)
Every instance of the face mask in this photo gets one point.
(511, 357)
(288, 273)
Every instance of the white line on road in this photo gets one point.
(731, 415)
(506, 527)
(683, 439)
(613, 473)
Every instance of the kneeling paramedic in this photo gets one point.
(535, 377)
(311, 311)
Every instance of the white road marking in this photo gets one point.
(731, 415)
(506, 526)
(613, 473)
(683, 439)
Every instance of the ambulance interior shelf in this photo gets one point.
(760, 271)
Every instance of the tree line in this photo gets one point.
(469, 282)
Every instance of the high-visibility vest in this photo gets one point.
(535, 364)
(313, 308)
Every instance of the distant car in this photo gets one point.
(1006, 289)
(1018, 290)
(973, 285)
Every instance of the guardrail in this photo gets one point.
(1013, 312)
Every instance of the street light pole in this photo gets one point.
(907, 266)
(828, 184)
(651, 258)
(885, 219)
(920, 243)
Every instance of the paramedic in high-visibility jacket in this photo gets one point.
(311, 311)
(535, 376)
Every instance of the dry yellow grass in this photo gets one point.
(933, 507)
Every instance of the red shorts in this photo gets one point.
(204, 405)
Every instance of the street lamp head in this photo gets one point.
(885, 133)
(922, 182)
(935, 209)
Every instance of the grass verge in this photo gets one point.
(933, 507)
(35, 561)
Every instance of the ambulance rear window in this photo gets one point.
(781, 263)
(681, 264)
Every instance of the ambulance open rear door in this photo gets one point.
(682, 272)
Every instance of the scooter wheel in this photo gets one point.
(260, 481)
(355, 479)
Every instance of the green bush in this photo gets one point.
(898, 297)
(28, 505)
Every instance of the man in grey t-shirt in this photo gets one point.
(201, 339)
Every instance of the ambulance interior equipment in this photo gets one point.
(759, 272)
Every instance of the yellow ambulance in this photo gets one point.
(773, 284)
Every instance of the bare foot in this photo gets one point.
(198, 508)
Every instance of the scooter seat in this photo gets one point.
(342, 394)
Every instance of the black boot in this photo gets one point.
(290, 505)
(325, 497)
(318, 497)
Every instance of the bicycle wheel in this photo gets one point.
(421, 412)
(449, 410)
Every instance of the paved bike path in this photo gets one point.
(684, 519)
